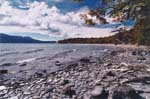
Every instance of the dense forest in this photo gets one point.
(138, 10)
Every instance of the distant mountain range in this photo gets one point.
(5, 38)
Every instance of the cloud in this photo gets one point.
(42, 19)
(57, 0)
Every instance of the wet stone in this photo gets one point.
(7, 64)
(41, 73)
(110, 73)
(113, 53)
(3, 71)
(24, 64)
(86, 60)
(57, 63)
(72, 64)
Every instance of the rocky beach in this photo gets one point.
(110, 73)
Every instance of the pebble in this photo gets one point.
(2, 88)
(148, 69)
(82, 79)
(98, 93)
(27, 93)
(36, 97)
(124, 64)
(15, 97)
(58, 63)
(64, 82)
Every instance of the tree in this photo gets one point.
(121, 10)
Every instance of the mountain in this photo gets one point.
(5, 38)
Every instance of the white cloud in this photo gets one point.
(2, 1)
(40, 18)
(57, 0)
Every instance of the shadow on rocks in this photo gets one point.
(124, 92)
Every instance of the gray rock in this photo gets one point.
(48, 90)
(3, 71)
(15, 97)
(24, 64)
(98, 93)
(27, 93)
(110, 73)
(64, 82)
(67, 90)
(2, 88)
(134, 53)
(124, 92)
(36, 97)
(41, 73)
(107, 64)
(113, 53)
(85, 60)
(7, 64)
(57, 63)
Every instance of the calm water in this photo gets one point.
(20, 52)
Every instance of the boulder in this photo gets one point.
(123, 92)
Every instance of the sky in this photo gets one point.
(50, 19)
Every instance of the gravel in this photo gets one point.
(118, 74)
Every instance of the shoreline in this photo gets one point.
(89, 77)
